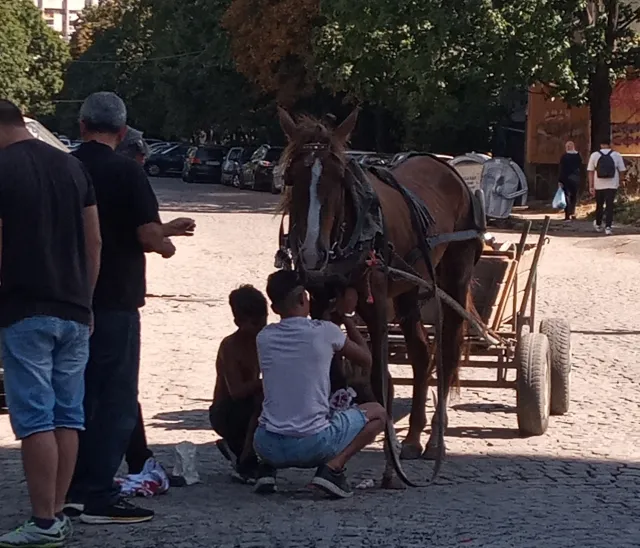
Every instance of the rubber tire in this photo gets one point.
(274, 190)
(154, 170)
(533, 395)
(558, 331)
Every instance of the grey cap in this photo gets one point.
(133, 144)
(104, 111)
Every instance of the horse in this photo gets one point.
(343, 236)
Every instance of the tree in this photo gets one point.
(170, 61)
(271, 44)
(32, 58)
(447, 68)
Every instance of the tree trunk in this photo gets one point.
(600, 91)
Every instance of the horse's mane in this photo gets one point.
(309, 129)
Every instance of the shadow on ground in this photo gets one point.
(478, 500)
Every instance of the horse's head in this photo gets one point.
(315, 185)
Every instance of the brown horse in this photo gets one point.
(325, 212)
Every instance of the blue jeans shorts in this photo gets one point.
(309, 452)
(44, 359)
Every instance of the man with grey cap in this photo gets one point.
(130, 225)
(133, 146)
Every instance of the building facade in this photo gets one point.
(61, 15)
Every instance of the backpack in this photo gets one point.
(606, 166)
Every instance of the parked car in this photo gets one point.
(43, 134)
(167, 162)
(232, 166)
(203, 164)
(258, 171)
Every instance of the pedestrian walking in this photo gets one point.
(49, 262)
(569, 177)
(606, 173)
(130, 226)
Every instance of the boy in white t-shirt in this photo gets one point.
(297, 428)
(606, 172)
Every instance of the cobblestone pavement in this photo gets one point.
(576, 486)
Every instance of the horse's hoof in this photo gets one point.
(410, 451)
(393, 482)
(431, 452)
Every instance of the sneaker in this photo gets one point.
(597, 227)
(30, 535)
(608, 231)
(66, 527)
(73, 509)
(121, 512)
(331, 482)
(266, 482)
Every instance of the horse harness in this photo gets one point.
(368, 238)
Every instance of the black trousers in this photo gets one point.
(231, 419)
(111, 407)
(571, 193)
(604, 206)
(138, 451)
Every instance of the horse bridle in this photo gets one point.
(339, 250)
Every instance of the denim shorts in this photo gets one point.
(311, 451)
(44, 359)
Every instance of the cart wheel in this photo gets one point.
(533, 387)
(558, 331)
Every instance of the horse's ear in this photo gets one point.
(286, 123)
(345, 129)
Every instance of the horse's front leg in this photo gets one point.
(374, 315)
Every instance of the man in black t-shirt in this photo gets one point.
(130, 226)
(50, 257)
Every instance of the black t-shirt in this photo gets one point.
(125, 202)
(43, 192)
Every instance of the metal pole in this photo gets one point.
(65, 19)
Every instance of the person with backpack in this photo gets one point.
(569, 178)
(606, 172)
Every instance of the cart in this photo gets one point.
(534, 359)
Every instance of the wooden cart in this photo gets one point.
(534, 359)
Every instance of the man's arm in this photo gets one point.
(93, 244)
(591, 168)
(355, 348)
(146, 216)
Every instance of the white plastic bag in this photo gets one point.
(559, 200)
(186, 463)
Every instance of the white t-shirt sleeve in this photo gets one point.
(334, 336)
(593, 160)
(619, 162)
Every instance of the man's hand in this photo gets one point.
(592, 190)
(182, 226)
(168, 249)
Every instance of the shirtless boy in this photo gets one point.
(237, 397)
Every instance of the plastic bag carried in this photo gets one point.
(559, 200)
(186, 463)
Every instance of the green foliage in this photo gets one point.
(170, 61)
(32, 58)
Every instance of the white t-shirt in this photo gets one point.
(602, 184)
(295, 359)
